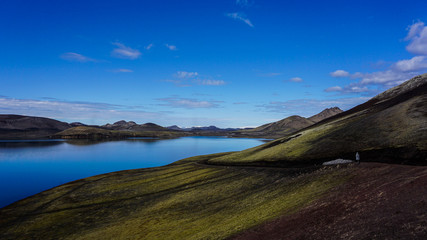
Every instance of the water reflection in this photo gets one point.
(26, 144)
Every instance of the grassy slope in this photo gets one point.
(185, 200)
(278, 129)
(392, 130)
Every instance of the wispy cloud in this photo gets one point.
(272, 74)
(125, 52)
(149, 46)
(308, 107)
(171, 47)
(244, 3)
(396, 73)
(386, 78)
(333, 89)
(210, 82)
(296, 79)
(380, 80)
(187, 79)
(352, 88)
(179, 82)
(339, 73)
(240, 17)
(187, 103)
(122, 70)
(184, 74)
(417, 37)
(76, 57)
(86, 112)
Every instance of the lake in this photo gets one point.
(29, 167)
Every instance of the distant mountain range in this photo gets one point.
(132, 126)
(27, 127)
(208, 128)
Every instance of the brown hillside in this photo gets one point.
(380, 202)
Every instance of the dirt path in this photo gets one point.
(382, 201)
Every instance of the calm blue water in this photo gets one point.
(29, 167)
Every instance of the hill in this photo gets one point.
(287, 125)
(391, 127)
(327, 113)
(132, 126)
(98, 133)
(28, 127)
(191, 200)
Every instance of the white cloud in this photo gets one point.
(122, 70)
(75, 57)
(187, 79)
(184, 74)
(397, 73)
(86, 112)
(125, 52)
(211, 82)
(414, 30)
(240, 17)
(296, 79)
(149, 46)
(340, 73)
(188, 103)
(356, 89)
(351, 88)
(171, 47)
(334, 89)
(309, 107)
(413, 64)
(356, 75)
(417, 35)
(387, 78)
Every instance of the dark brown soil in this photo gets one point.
(382, 201)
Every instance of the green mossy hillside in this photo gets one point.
(391, 127)
(184, 200)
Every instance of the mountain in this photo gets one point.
(174, 127)
(98, 133)
(77, 124)
(120, 125)
(327, 113)
(28, 127)
(208, 128)
(132, 126)
(203, 129)
(391, 127)
(288, 125)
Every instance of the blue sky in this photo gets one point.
(193, 63)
